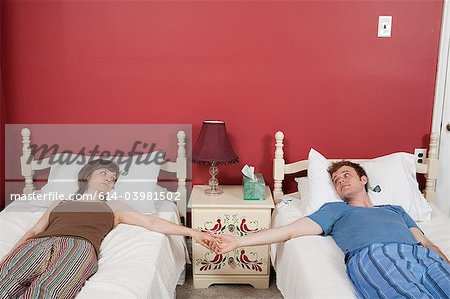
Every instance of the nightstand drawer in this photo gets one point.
(228, 213)
(239, 222)
(247, 260)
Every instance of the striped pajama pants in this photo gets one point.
(399, 271)
(49, 267)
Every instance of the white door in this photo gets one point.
(443, 181)
(441, 115)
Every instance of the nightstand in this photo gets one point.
(229, 213)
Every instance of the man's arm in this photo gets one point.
(420, 237)
(301, 227)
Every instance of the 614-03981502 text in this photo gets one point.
(128, 196)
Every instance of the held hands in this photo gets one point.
(205, 239)
(225, 243)
(220, 244)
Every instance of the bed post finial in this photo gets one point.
(181, 136)
(278, 166)
(182, 173)
(432, 163)
(25, 161)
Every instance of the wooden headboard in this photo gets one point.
(280, 168)
(29, 165)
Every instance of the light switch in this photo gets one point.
(384, 26)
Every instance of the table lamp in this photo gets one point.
(213, 148)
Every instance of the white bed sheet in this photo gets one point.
(313, 266)
(133, 262)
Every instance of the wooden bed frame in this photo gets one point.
(179, 167)
(280, 168)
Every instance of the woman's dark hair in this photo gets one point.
(85, 173)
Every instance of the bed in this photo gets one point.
(313, 266)
(133, 262)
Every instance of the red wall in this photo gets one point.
(2, 123)
(314, 69)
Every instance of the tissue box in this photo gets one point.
(254, 190)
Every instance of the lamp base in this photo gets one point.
(213, 182)
(214, 192)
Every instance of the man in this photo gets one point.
(386, 254)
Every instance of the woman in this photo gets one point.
(58, 254)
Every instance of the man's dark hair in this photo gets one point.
(359, 170)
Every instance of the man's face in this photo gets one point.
(347, 182)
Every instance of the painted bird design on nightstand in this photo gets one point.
(255, 265)
(244, 258)
(217, 227)
(213, 264)
(244, 228)
(217, 259)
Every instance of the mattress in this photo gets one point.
(133, 262)
(313, 266)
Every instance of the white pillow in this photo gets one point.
(66, 167)
(302, 185)
(63, 177)
(320, 186)
(395, 176)
(138, 187)
(303, 189)
(287, 211)
(139, 178)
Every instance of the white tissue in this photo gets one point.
(249, 171)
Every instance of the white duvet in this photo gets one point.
(133, 262)
(313, 266)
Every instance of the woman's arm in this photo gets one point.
(39, 227)
(302, 227)
(156, 224)
(420, 237)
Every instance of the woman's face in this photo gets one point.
(101, 180)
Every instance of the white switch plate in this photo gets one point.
(384, 26)
(421, 155)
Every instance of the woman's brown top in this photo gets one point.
(88, 220)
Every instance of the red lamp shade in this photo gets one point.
(213, 145)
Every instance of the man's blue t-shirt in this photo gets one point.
(354, 228)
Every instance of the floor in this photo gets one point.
(227, 291)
